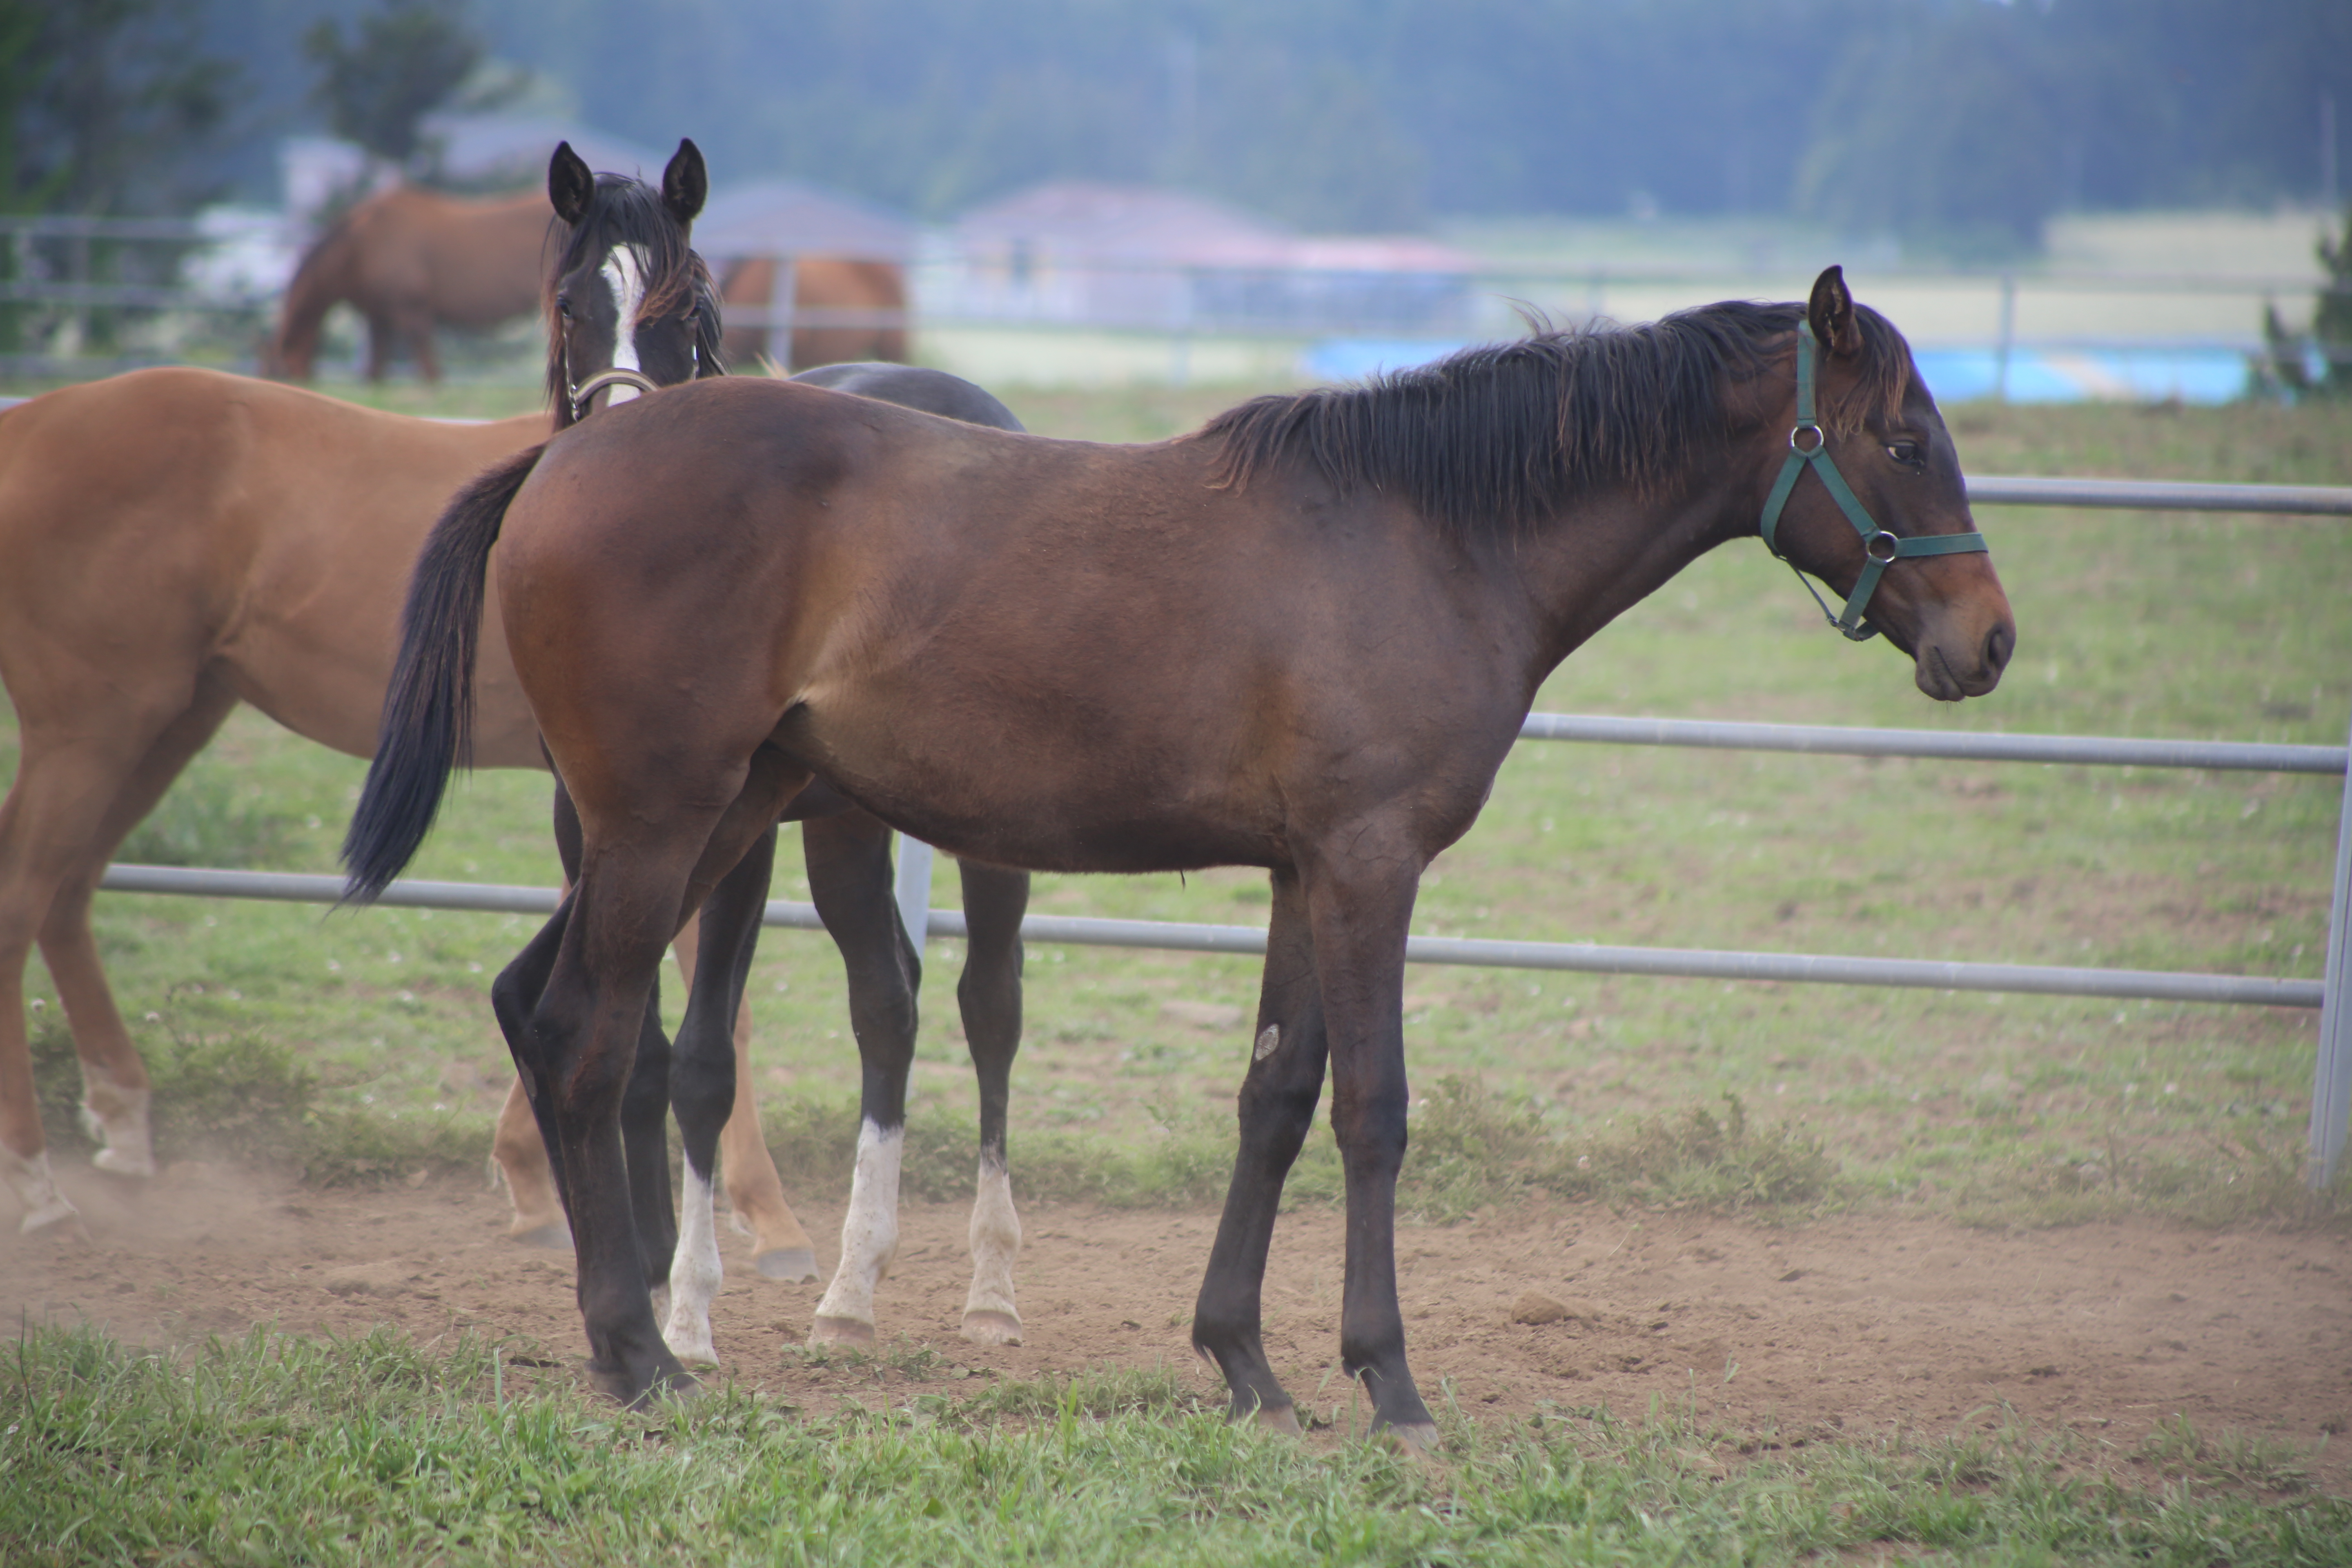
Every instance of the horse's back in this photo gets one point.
(168, 520)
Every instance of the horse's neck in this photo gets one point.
(1606, 553)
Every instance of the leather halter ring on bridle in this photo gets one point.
(597, 383)
(1882, 548)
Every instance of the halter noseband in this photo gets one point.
(1881, 549)
(597, 383)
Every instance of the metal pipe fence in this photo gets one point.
(2331, 1081)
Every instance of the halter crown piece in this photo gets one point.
(1882, 548)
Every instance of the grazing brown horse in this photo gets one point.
(847, 310)
(410, 261)
(1303, 638)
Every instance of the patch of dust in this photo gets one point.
(1861, 1326)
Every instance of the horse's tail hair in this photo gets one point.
(428, 710)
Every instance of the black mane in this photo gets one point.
(627, 211)
(1494, 439)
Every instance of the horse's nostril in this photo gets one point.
(1999, 644)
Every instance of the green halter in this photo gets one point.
(1882, 548)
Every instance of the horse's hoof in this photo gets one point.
(986, 1327)
(690, 1347)
(1282, 1419)
(792, 1264)
(1418, 1440)
(841, 1332)
(554, 1235)
(58, 1209)
(124, 1162)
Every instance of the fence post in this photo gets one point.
(914, 889)
(2008, 337)
(2331, 1078)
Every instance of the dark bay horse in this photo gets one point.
(1302, 639)
(410, 261)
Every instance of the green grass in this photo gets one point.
(275, 1450)
(2001, 1109)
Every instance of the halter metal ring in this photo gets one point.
(614, 377)
(1819, 440)
(1894, 547)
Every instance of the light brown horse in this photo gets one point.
(410, 261)
(1303, 638)
(845, 309)
(171, 542)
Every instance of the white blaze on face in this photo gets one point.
(624, 274)
(869, 1232)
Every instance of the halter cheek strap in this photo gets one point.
(1882, 548)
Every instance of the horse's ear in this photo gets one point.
(685, 182)
(1831, 312)
(570, 184)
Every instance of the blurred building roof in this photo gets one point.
(789, 217)
(1080, 220)
(480, 149)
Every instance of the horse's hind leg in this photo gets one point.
(849, 881)
(1278, 1109)
(988, 995)
(703, 1087)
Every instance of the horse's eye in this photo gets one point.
(563, 306)
(1904, 452)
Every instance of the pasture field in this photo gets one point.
(356, 1049)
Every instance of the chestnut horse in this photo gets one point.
(1304, 638)
(844, 308)
(410, 261)
(245, 546)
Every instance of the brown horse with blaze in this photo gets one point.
(1303, 638)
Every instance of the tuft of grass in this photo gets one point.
(1471, 1148)
(2229, 1457)
(381, 1451)
(207, 820)
(246, 1099)
(2246, 1175)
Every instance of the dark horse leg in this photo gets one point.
(575, 1039)
(644, 1106)
(702, 1086)
(1278, 1109)
(988, 995)
(1360, 905)
(849, 882)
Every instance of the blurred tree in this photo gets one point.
(106, 106)
(1956, 123)
(1940, 127)
(2286, 371)
(405, 60)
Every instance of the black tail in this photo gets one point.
(428, 710)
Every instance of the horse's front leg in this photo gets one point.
(1360, 904)
(988, 995)
(1278, 1109)
(849, 881)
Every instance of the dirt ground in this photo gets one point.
(1847, 1326)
